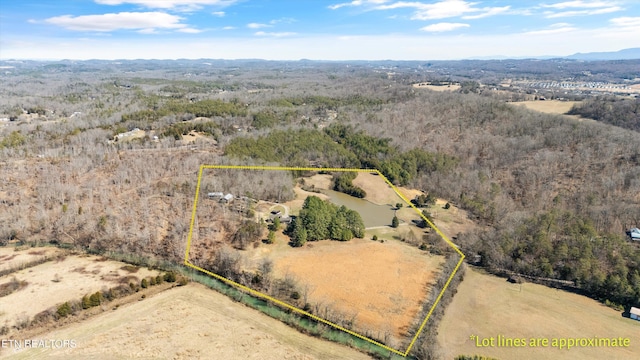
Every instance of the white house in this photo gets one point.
(634, 313)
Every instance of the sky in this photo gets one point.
(314, 29)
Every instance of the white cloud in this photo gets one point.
(274, 34)
(229, 28)
(560, 25)
(444, 26)
(284, 20)
(580, 4)
(144, 21)
(551, 15)
(557, 29)
(444, 9)
(632, 22)
(186, 5)
(489, 12)
(581, 8)
(218, 13)
(257, 25)
(147, 31)
(189, 30)
(357, 3)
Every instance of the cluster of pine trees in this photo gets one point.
(203, 108)
(343, 182)
(320, 220)
(341, 146)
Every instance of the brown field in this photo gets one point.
(487, 305)
(383, 284)
(451, 221)
(10, 258)
(548, 106)
(188, 322)
(55, 282)
(453, 87)
(320, 181)
(379, 193)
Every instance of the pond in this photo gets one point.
(372, 214)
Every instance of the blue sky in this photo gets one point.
(323, 30)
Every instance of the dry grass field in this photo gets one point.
(188, 322)
(10, 258)
(379, 193)
(451, 221)
(548, 106)
(453, 87)
(487, 305)
(54, 282)
(382, 284)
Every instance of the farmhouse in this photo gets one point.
(634, 313)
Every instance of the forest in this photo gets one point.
(553, 196)
(624, 113)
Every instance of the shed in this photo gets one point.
(215, 195)
(634, 313)
(227, 198)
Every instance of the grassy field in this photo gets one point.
(382, 284)
(548, 106)
(54, 282)
(378, 192)
(379, 286)
(189, 322)
(451, 221)
(10, 258)
(453, 87)
(488, 306)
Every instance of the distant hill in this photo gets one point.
(625, 54)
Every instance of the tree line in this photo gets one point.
(624, 113)
(341, 146)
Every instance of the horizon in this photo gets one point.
(358, 30)
(488, 58)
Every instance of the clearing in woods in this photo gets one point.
(186, 322)
(548, 106)
(487, 305)
(443, 87)
(375, 283)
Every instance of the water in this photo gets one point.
(372, 214)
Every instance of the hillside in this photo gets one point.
(547, 196)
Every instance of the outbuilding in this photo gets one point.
(634, 313)
(227, 198)
(215, 195)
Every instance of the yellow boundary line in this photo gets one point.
(296, 309)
